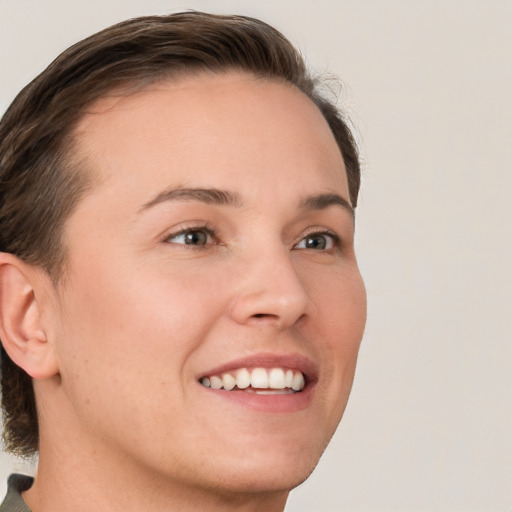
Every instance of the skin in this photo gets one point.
(140, 315)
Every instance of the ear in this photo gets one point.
(21, 328)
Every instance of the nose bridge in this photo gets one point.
(270, 289)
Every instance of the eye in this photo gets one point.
(197, 237)
(318, 241)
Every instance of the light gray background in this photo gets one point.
(428, 86)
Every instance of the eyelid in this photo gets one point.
(336, 239)
(212, 233)
(191, 227)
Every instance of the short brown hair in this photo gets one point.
(39, 185)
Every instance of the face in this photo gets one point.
(212, 311)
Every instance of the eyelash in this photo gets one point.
(335, 239)
(210, 232)
(194, 229)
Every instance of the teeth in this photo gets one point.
(228, 381)
(276, 379)
(298, 381)
(273, 392)
(260, 380)
(243, 378)
(288, 379)
(215, 382)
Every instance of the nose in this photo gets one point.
(270, 291)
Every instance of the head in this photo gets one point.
(50, 172)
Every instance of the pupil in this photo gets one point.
(315, 242)
(195, 238)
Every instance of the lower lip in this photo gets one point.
(284, 403)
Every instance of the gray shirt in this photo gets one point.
(13, 502)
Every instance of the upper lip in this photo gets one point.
(268, 360)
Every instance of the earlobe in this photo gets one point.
(21, 331)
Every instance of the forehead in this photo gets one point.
(210, 126)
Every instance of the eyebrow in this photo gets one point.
(220, 197)
(213, 196)
(322, 201)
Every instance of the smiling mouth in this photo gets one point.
(262, 381)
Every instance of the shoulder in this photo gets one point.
(13, 502)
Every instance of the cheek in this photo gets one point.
(133, 330)
(340, 301)
(339, 297)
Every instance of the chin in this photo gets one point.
(269, 480)
(270, 470)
